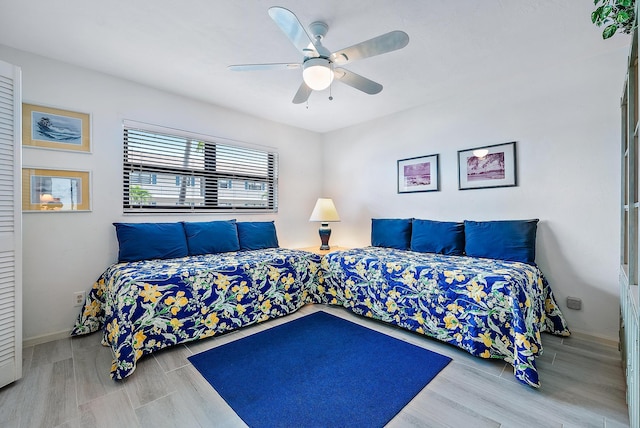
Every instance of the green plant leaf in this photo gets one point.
(625, 3)
(623, 16)
(609, 31)
(594, 17)
(606, 11)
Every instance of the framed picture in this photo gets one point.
(53, 128)
(419, 174)
(488, 166)
(55, 190)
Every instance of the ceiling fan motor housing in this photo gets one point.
(318, 29)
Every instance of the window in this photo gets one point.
(185, 181)
(142, 178)
(172, 171)
(252, 185)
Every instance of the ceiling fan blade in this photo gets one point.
(275, 66)
(291, 27)
(303, 94)
(358, 82)
(378, 45)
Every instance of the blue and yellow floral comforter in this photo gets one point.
(149, 305)
(490, 308)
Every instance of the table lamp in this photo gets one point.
(324, 212)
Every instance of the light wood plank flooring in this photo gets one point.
(66, 384)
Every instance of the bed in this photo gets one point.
(147, 305)
(490, 308)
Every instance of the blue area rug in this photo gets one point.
(318, 371)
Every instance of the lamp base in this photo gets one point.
(325, 233)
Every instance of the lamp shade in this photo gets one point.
(324, 211)
(317, 73)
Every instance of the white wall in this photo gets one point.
(566, 121)
(66, 252)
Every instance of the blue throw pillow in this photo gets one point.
(442, 237)
(211, 237)
(257, 235)
(391, 233)
(144, 241)
(513, 240)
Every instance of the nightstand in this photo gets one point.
(316, 249)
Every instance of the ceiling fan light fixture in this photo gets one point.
(317, 73)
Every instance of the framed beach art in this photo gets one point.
(55, 190)
(54, 128)
(488, 166)
(419, 174)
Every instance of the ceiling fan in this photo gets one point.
(319, 65)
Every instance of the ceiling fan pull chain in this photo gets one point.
(331, 83)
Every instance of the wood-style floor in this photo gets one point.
(66, 384)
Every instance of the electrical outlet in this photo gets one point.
(78, 298)
(574, 303)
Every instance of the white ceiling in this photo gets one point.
(185, 46)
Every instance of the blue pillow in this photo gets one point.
(211, 237)
(513, 240)
(442, 237)
(257, 235)
(144, 241)
(391, 233)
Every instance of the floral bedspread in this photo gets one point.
(490, 308)
(149, 305)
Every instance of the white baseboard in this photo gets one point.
(594, 338)
(38, 340)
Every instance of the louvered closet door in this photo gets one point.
(10, 225)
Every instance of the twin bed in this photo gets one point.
(490, 308)
(148, 305)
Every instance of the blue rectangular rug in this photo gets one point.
(318, 371)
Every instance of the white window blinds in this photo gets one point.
(169, 173)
